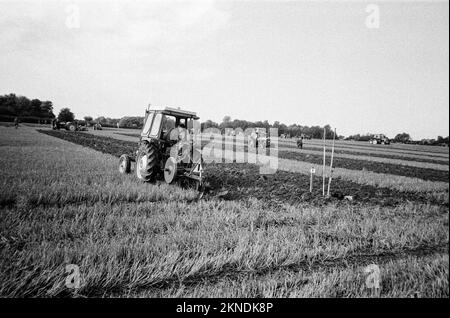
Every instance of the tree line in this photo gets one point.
(35, 110)
(293, 130)
(404, 138)
(32, 110)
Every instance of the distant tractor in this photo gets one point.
(166, 148)
(379, 139)
(70, 126)
(305, 136)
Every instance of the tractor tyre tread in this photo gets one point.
(149, 173)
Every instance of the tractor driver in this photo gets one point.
(177, 133)
(178, 138)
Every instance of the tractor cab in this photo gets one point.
(167, 147)
(162, 124)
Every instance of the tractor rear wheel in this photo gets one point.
(147, 162)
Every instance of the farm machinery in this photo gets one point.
(70, 126)
(379, 139)
(166, 148)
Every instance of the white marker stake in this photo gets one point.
(311, 179)
(323, 168)
(331, 164)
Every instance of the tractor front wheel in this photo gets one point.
(170, 170)
(147, 162)
(124, 164)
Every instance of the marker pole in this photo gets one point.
(323, 168)
(331, 163)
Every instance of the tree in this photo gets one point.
(22, 106)
(12, 105)
(47, 109)
(8, 105)
(131, 122)
(88, 120)
(100, 120)
(403, 137)
(208, 124)
(226, 119)
(35, 107)
(66, 115)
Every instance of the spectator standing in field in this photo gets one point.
(16, 122)
(300, 143)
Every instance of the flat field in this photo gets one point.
(63, 202)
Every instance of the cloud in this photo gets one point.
(133, 37)
(189, 74)
(119, 25)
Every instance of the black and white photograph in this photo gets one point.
(240, 151)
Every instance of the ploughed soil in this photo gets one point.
(394, 146)
(433, 175)
(239, 181)
(379, 167)
(355, 164)
(242, 180)
(376, 155)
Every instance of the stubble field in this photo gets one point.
(63, 202)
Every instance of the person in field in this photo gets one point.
(300, 143)
(179, 136)
(254, 138)
(16, 122)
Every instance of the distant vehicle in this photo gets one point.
(380, 139)
(305, 136)
(70, 126)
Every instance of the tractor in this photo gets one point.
(167, 148)
(70, 126)
(379, 139)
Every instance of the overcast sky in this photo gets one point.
(305, 62)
